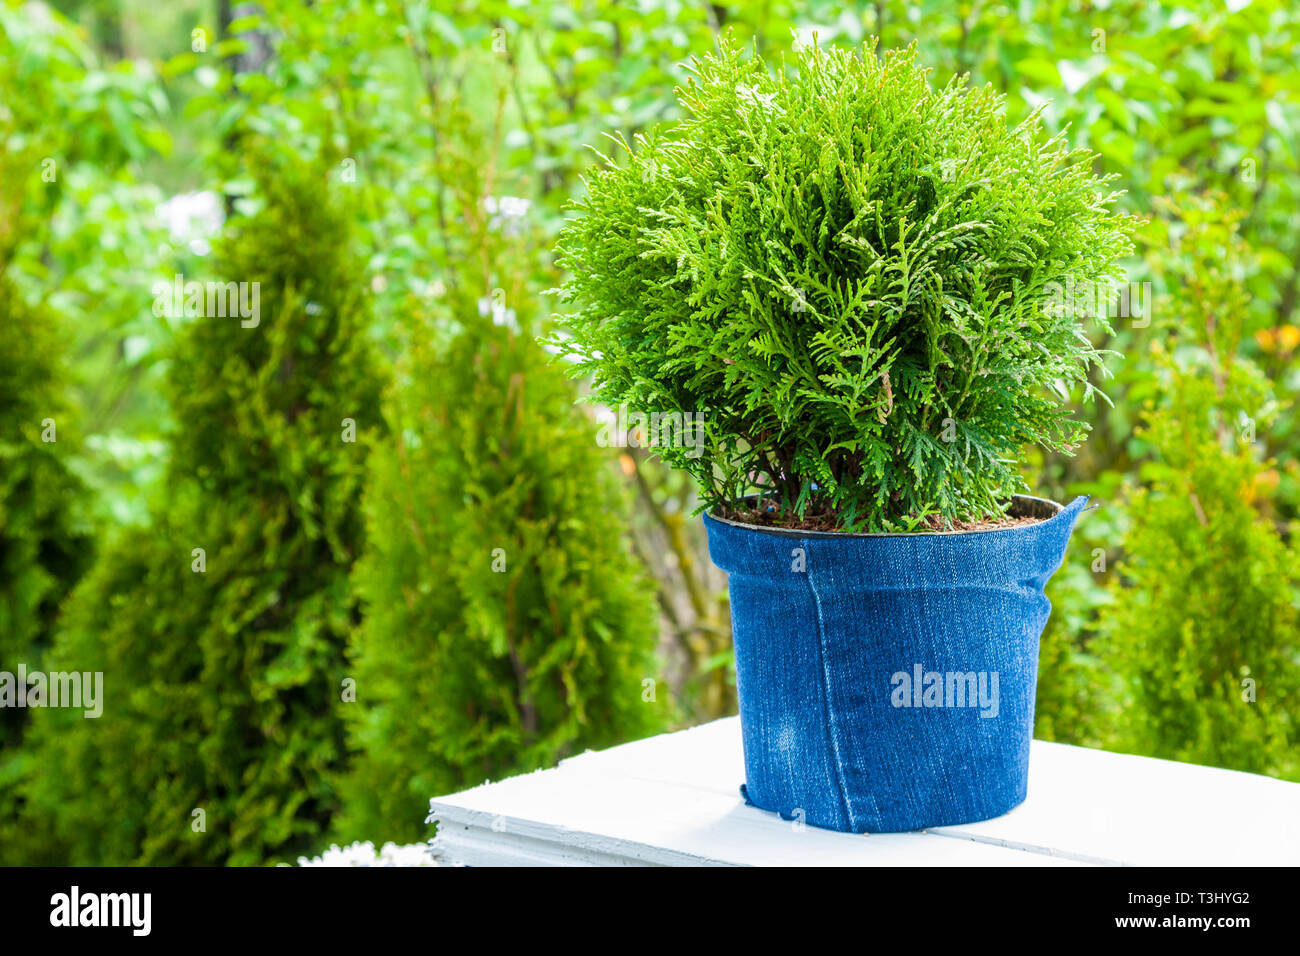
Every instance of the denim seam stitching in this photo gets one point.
(831, 722)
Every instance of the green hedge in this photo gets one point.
(1203, 635)
(223, 688)
(506, 623)
(45, 536)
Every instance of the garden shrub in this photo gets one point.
(856, 278)
(45, 535)
(46, 540)
(223, 682)
(1202, 634)
(506, 624)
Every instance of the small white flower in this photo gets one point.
(363, 854)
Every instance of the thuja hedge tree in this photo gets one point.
(220, 630)
(858, 279)
(506, 623)
(1202, 631)
(45, 539)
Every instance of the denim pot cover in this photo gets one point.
(886, 681)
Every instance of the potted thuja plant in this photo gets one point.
(857, 279)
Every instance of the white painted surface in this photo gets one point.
(674, 800)
(1095, 805)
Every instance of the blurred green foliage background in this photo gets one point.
(394, 173)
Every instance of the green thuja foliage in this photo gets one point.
(855, 277)
(1203, 632)
(45, 542)
(43, 538)
(506, 624)
(220, 630)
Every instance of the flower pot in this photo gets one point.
(886, 681)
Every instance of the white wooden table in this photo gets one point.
(674, 800)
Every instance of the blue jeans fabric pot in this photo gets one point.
(886, 681)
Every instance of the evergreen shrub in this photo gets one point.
(224, 670)
(507, 625)
(867, 285)
(1202, 629)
